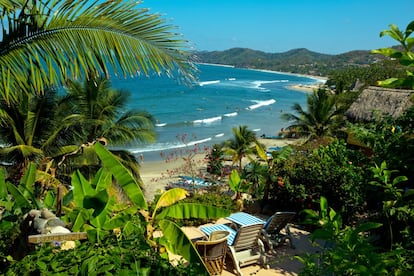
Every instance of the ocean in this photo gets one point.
(225, 97)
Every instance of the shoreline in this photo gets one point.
(307, 88)
(321, 79)
(157, 174)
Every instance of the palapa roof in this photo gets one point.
(375, 102)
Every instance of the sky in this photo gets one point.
(275, 26)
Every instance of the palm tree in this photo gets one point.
(53, 41)
(323, 116)
(32, 131)
(241, 145)
(101, 115)
(273, 164)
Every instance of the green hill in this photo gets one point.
(300, 61)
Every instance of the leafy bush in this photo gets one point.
(126, 255)
(332, 171)
(348, 250)
(397, 212)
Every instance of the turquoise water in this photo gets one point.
(224, 98)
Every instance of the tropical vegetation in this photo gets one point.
(90, 207)
(324, 116)
(46, 43)
(367, 229)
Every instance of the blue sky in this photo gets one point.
(275, 26)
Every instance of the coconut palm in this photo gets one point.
(323, 116)
(101, 114)
(31, 130)
(241, 145)
(56, 40)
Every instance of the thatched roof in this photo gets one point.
(375, 102)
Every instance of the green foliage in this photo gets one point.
(345, 79)
(241, 145)
(389, 139)
(273, 164)
(405, 56)
(217, 199)
(127, 254)
(300, 61)
(254, 175)
(90, 208)
(77, 28)
(397, 206)
(346, 250)
(165, 208)
(323, 116)
(215, 160)
(236, 183)
(332, 171)
(95, 211)
(125, 179)
(98, 111)
(15, 202)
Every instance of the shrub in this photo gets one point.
(331, 171)
(113, 256)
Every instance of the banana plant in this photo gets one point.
(23, 196)
(96, 212)
(167, 208)
(15, 201)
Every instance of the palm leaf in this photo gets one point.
(60, 40)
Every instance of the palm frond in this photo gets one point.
(53, 41)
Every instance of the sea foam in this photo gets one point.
(202, 83)
(260, 104)
(230, 114)
(208, 120)
(168, 146)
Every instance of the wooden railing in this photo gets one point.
(41, 238)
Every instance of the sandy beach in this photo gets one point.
(157, 174)
(308, 88)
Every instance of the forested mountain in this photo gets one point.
(300, 60)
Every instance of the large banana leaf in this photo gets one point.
(29, 178)
(3, 188)
(169, 198)
(125, 179)
(102, 180)
(179, 243)
(234, 180)
(81, 188)
(192, 210)
(79, 217)
(261, 152)
(19, 199)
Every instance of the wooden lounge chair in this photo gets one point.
(247, 248)
(272, 231)
(213, 251)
